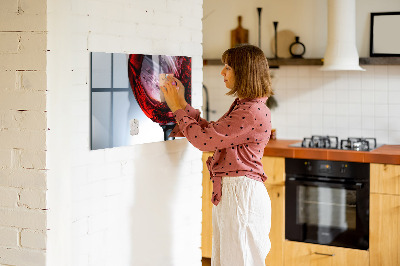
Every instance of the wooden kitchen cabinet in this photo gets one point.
(277, 233)
(305, 254)
(385, 178)
(206, 225)
(274, 168)
(384, 236)
(384, 215)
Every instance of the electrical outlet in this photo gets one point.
(134, 126)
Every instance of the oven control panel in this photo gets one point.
(337, 169)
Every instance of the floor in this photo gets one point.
(206, 261)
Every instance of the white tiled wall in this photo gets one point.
(344, 103)
(312, 102)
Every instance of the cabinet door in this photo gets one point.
(277, 233)
(206, 232)
(274, 168)
(385, 178)
(384, 230)
(304, 254)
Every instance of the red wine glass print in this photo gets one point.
(145, 74)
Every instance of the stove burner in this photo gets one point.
(332, 142)
(358, 144)
(328, 142)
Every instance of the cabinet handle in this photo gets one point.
(324, 254)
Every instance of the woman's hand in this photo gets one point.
(174, 95)
(181, 92)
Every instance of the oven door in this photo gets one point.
(327, 213)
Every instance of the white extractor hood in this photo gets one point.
(341, 51)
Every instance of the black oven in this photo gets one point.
(327, 202)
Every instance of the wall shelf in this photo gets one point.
(274, 63)
(380, 61)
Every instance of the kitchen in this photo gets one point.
(315, 103)
(112, 206)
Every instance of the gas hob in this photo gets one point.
(332, 142)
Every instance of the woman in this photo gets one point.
(242, 208)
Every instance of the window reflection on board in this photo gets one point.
(125, 90)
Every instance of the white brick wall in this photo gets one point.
(33, 239)
(23, 218)
(138, 205)
(92, 196)
(11, 256)
(23, 132)
(8, 197)
(9, 237)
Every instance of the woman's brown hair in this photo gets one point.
(250, 66)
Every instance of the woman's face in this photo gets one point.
(229, 76)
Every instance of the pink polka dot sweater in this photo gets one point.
(238, 139)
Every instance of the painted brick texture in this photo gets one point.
(116, 206)
(23, 132)
(33, 239)
(94, 197)
(9, 237)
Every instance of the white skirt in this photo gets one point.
(241, 223)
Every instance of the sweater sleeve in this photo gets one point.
(229, 131)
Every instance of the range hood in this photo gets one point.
(341, 51)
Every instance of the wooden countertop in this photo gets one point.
(389, 154)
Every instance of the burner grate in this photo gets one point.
(332, 142)
(358, 144)
(327, 142)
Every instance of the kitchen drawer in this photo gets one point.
(305, 254)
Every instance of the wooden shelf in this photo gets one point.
(380, 61)
(294, 62)
(274, 63)
(212, 62)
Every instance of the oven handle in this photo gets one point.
(357, 185)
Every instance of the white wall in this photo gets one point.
(306, 19)
(23, 133)
(311, 102)
(137, 205)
